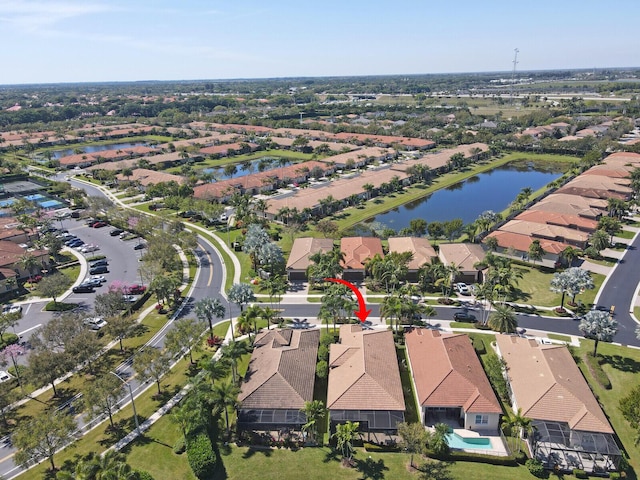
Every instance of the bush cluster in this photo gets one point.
(458, 456)
(535, 467)
(597, 372)
(578, 473)
(478, 345)
(200, 454)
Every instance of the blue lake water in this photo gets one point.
(95, 148)
(263, 164)
(493, 190)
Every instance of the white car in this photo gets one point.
(11, 308)
(4, 376)
(100, 278)
(130, 298)
(95, 323)
(463, 288)
(89, 248)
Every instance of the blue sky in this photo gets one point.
(115, 40)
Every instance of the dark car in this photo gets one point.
(139, 246)
(464, 317)
(99, 263)
(115, 232)
(76, 242)
(83, 289)
(99, 269)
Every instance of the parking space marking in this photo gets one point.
(29, 329)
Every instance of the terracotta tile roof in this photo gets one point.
(563, 220)
(544, 230)
(282, 370)
(520, 242)
(554, 204)
(421, 248)
(148, 177)
(463, 255)
(602, 194)
(338, 189)
(623, 157)
(364, 371)
(358, 250)
(447, 372)
(303, 248)
(547, 384)
(11, 252)
(95, 157)
(440, 158)
(225, 147)
(575, 200)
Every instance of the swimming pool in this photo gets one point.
(468, 443)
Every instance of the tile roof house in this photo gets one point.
(302, 249)
(464, 256)
(519, 244)
(364, 380)
(584, 207)
(357, 250)
(449, 381)
(421, 249)
(546, 231)
(559, 219)
(547, 386)
(279, 380)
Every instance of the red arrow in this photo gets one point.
(363, 313)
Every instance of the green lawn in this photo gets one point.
(534, 286)
(627, 234)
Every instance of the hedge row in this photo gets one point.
(460, 456)
(200, 454)
(597, 372)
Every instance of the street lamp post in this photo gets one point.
(135, 415)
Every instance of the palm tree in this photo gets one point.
(345, 434)
(599, 240)
(391, 309)
(439, 443)
(313, 412)
(233, 352)
(206, 309)
(184, 417)
(503, 319)
(28, 262)
(225, 395)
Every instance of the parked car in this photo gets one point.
(123, 235)
(10, 308)
(130, 298)
(100, 278)
(136, 289)
(98, 224)
(74, 242)
(464, 317)
(83, 289)
(463, 288)
(98, 269)
(4, 376)
(92, 282)
(99, 263)
(115, 232)
(89, 248)
(139, 246)
(75, 214)
(95, 323)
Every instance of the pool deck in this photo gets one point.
(497, 445)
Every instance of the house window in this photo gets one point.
(482, 419)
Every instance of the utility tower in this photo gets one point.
(513, 73)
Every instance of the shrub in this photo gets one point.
(8, 339)
(59, 306)
(535, 467)
(323, 352)
(180, 446)
(459, 456)
(322, 369)
(143, 475)
(200, 454)
(578, 473)
(374, 447)
(615, 475)
(597, 372)
(521, 458)
(478, 345)
(326, 339)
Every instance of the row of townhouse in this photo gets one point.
(569, 215)
(358, 250)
